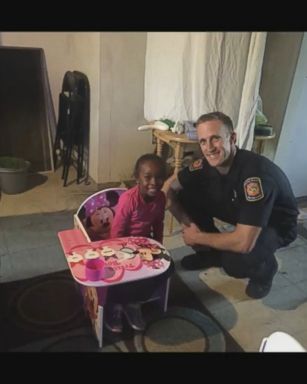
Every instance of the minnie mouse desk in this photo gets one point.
(96, 265)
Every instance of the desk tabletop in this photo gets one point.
(125, 259)
(169, 136)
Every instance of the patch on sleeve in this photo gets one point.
(253, 189)
(197, 164)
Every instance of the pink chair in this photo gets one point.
(91, 239)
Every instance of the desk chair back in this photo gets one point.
(95, 215)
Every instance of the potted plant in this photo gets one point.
(13, 174)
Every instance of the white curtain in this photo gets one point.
(188, 74)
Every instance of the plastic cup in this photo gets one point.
(94, 269)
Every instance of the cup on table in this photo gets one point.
(94, 269)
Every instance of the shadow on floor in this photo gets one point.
(36, 179)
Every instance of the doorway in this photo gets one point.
(27, 118)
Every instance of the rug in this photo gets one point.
(45, 314)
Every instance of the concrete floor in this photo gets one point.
(247, 320)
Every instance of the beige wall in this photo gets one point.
(114, 64)
(122, 104)
(279, 64)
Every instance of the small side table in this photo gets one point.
(259, 142)
(178, 142)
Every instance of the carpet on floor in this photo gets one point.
(45, 314)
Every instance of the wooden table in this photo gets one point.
(178, 142)
(175, 141)
(259, 142)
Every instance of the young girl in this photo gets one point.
(140, 212)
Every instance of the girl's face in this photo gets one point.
(150, 179)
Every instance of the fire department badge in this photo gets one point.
(253, 189)
(197, 164)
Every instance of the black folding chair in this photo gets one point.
(73, 124)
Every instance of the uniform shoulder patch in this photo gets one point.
(253, 189)
(197, 164)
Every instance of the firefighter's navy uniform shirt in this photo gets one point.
(254, 192)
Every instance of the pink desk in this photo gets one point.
(125, 259)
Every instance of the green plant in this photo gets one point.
(169, 122)
(12, 162)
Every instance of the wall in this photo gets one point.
(279, 64)
(122, 104)
(115, 65)
(291, 154)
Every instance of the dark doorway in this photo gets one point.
(27, 119)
